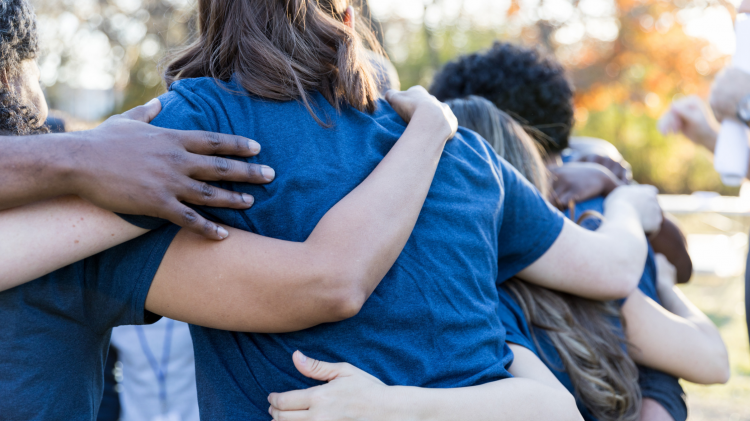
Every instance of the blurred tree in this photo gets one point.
(627, 59)
(103, 45)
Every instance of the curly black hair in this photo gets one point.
(18, 42)
(524, 83)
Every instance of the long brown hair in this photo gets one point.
(605, 378)
(282, 50)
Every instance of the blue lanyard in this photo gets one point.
(160, 370)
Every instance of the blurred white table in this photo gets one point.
(698, 202)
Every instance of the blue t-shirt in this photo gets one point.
(432, 321)
(662, 387)
(55, 330)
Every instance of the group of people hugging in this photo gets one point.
(450, 255)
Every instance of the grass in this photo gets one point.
(722, 299)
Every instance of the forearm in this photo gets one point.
(682, 341)
(601, 265)
(506, 400)
(42, 237)
(620, 241)
(268, 285)
(360, 238)
(34, 168)
(675, 301)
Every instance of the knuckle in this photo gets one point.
(239, 145)
(212, 140)
(208, 227)
(236, 198)
(176, 157)
(189, 216)
(253, 171)
(207, 191)
(222, 166)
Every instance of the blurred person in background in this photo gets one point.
(534, 89)
(690, 116)
(589, 346)
(158, 372)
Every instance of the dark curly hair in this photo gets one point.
(524, 83)
(18, 42)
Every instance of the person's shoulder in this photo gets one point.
(472, 140)
(193, 104)
(198, 85)
(206, 88)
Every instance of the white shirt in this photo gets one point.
(139, 388)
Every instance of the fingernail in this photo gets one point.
(223, 233)
(153, 101)
(253, 146)
(268, 173)
(248, 198)
(302, 358)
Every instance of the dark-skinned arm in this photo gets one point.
(126, 165)
(672, 244)
(261, 284)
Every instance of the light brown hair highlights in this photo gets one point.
(591, 348)
(282, 50)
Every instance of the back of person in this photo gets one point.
(432, 320)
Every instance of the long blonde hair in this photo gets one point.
(591, 347)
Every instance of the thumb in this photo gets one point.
(319, 370)
(144, 113)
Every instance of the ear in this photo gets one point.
(349, 17)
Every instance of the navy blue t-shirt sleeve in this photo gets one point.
(664, 389)
(181, 109)
(513, 320)
(529, 225)
(117, 281)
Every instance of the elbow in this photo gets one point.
(345, 297)
(721, 370)
(341, 289)
(684, 270)
(348, 304)
(624, 273)
(723, 375)
(715, 370)
(566, 408)
(624, 282)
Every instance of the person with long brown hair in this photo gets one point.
(581, 341)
